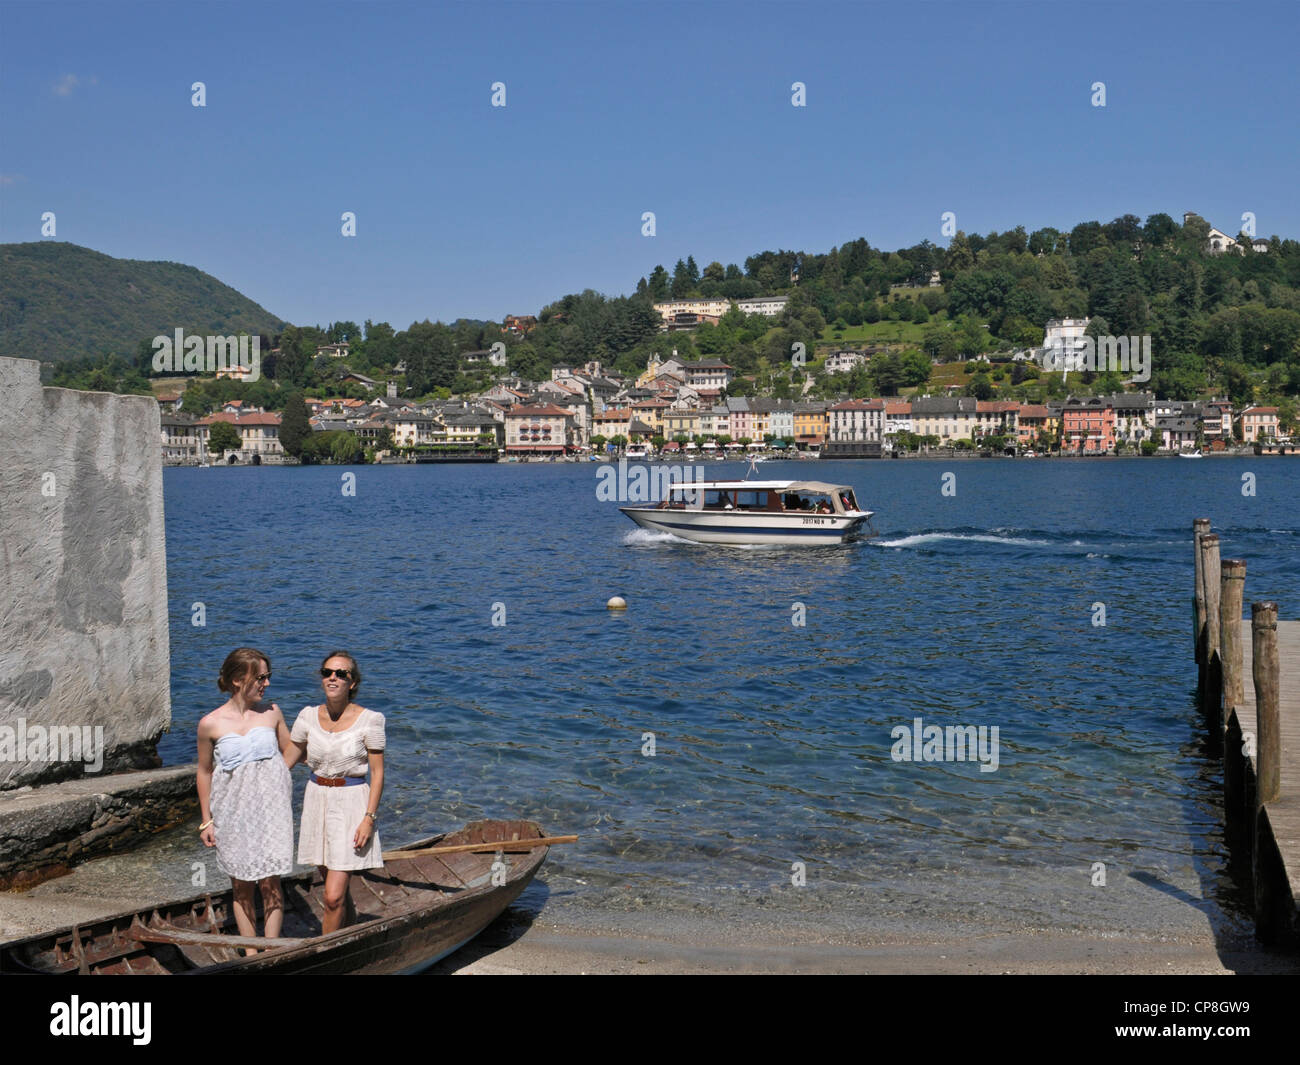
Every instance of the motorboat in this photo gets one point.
(757, 512)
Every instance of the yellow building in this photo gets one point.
(810, 424)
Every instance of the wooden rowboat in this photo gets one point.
(411, 913)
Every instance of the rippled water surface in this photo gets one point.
(772, 740)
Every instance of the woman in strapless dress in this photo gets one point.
(245, 793)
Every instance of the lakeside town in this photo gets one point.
(679, 408)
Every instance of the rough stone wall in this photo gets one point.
(83, 579)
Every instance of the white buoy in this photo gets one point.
(616, 603)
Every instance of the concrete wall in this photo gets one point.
(83, 580)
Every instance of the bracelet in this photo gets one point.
(206, 824)
(374, 818)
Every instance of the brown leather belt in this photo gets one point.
(336, 782)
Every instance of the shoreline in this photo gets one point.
(534, 938)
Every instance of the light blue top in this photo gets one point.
(258, 743)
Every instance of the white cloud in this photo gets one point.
(69, 83)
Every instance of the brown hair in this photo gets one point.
(356, 669)
(238, 664)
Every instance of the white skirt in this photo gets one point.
(330, 817)
(252, 811)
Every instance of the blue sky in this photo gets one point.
(463, 209)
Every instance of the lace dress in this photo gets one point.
(252, 806)
(330, 816)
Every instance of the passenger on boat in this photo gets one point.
(823, 507)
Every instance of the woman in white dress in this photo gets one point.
(245, 794)
(343, 743)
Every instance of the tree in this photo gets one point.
(1043, 241)
(657, 286)
(295, 425)
(222, 437)
(344, 447)
(1159, 231)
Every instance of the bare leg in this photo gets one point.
(272, 906)
(335, 900)
(245, 915)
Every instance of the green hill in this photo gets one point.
(59, 301)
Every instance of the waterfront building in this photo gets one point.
(780, 418)
(180, 440)
(411, 428)
(997, 417)
(1216, 421)
(898, 418)
(1258, 423)
(1088, 425)
(1132, 416)
(611, 422)
(1176, 432)
(856, 421)
(810, 425)
(544, 429)
(259, 435)
(1032, 421)
(947, 417)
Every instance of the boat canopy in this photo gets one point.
(781, 486)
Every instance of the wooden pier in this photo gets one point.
(1248, 688)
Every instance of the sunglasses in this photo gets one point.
(342, 674)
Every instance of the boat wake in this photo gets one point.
(926, 539)
(639, 537)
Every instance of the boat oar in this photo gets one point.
(499, 845)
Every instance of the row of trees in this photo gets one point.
(1219, 323)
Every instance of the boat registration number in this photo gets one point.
(815, 521)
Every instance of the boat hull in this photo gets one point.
(410, 914)
(753, 527)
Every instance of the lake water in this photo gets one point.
(772, 740)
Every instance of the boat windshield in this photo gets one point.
(809, 502)
(825, 499)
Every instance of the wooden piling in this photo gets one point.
(1231, 596)
(1199, 526)
(1265, 673)
(1275, 908)
(1212, 686)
